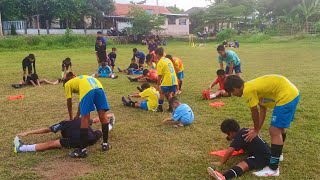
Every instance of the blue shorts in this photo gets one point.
(180, 75)
(167, 89)
(282, 116)
(136, 72)
(237, 69)
(94, 99)
(144, 105)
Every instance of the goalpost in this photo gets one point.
(191, 40)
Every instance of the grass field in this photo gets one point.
(142, 147)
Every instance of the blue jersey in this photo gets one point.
(231, 56)
(104, 71)
(139, 55)
(184, 114)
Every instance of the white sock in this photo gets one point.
(212, 96)
(28, 148)
(93, 75)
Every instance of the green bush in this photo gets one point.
(13, 30)
(253, 38)
(226, 34)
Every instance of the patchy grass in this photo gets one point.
(142, 148)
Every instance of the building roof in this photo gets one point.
(195, 10)
(124, 9)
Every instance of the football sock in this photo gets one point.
(233, 172)
(105, 131)
(276, 151)
(28, 148)
(83, 138)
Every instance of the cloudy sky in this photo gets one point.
(184, 4)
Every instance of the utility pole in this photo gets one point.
(1, 33)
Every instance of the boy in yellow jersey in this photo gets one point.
(149, 64)
(270, 91)
(149, 93)
(167, 78)
(179, 68)
(92, 97)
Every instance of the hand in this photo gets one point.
(250, 135)
(216, 163)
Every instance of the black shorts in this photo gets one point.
(102, 59)
(257, 161)
(75, 143)
(26, 65)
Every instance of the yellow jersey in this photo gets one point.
(165, 69)
(270, 90)
(152, 97)
(178, 64)
(81, 85)
(153, 66)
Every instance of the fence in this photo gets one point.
(282, 29)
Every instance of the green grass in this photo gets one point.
(142, 147)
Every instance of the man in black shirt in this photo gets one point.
(101, 52)
(112, 58)
(27, 62)
(70, 132)
(258, 152)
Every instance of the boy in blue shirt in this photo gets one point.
(140, 55)
(231, 59)
(105, 71)
(182, 114)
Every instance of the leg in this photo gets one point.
(276, 146)
(137, 104)
(49, 82)
(170, 122)
(161, 100)
(105, 129)
(237, 170)
(48, 145)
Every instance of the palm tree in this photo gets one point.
(308, 10)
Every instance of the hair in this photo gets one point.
(149, 57)
(68, 59)
(133, 59)
(103, 64)
(229, 125)
(169, 57)
(145, 86)
(99, 32)
(68, 76)
(34, 76)
(135, 50)
(31, 56)
(114, 49)
(145, 72)
(221, 48)
(221, 72)
(233, 81)
(159, 51)
(173, 100)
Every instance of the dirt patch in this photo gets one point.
(63, 169)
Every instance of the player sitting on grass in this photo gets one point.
(257, 150)
(147, 76)
(167, 78)
(182, 114)
(206, 94)
(69, 132)
(112, 58)
(270, 91)
(151, 95)
(179, 69)
(140, 55)
(92, 97)
(33, 79)
(231, 59)
(66, 67)
(149, 63)
(132, 69)
(105, 71)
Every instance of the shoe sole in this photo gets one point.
(212, 173)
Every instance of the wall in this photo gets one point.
(176, 29)
(55, 31)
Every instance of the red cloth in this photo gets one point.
(223, 152)
(220, 82)
(11, 98)
(153, 75)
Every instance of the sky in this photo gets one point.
(182, 4)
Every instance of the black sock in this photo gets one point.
(24, 79)
(180, 84)
(131, 104)
(276, 151)
(105, 132)
(234, 172)
(284, 135)
(83, 137)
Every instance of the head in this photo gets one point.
(145, 86)
(174, 102)
(159, 53)
(67, 60)
(234, 85)
(31, 57)
(221, 50)
(145, 72)
(221, 74)
(133, 61)
(99, 34)
(104, 65)
(169, 57)
(67, 77)
(230, 127)
(149, 58)
(99, 41)
(135, 50)
(114, 50)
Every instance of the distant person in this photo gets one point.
(66, 67)
(101, 52)
(102, 37)
(152, 45)
(132, 69)
(179, 69)
(236, 44)
(140, 55)
(225, 43)
(221, 77)
(105, 71)
(112, 58)
(28, 62)
(231, 59)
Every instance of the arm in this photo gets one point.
(34, 67)
(135, 95)
(69, 105)
(167, 119)
(225, 158)
(78, 113)
(159, 81)
(231, 68)
(33, 83)
(252, 133)
(263, 112)
(36, 131)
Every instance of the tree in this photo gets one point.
(198, 21)
(144, 23)
(307, 10)
(174, 9)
